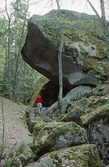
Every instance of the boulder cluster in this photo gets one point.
(78, 135)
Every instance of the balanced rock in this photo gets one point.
(84, 58)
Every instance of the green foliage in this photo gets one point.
(17, 79)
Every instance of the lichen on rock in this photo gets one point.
(53, 136)
(84, 155)
(84, 48)
(19, 155)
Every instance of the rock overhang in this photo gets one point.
(84, 55)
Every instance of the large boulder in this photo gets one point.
(84, 155)
(57, 135)
(93, 113)
(84, 54)
(97, 122)
(76, 93)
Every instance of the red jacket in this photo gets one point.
(39, 99)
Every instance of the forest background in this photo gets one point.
(17, 79)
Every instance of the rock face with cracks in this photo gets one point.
(83, 57)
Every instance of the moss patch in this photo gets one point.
(83, 37)
(19, 155)
(84, 155)
(95, 113)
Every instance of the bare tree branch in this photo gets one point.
(103, 22)
(105, 26)
(94, 10)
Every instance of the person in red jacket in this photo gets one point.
(39, 102)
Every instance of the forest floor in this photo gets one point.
(15, 130)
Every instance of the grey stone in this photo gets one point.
(40, 50)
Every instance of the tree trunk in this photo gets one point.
(18, 55)
(8, 49)
(60, 73)
(60, 95)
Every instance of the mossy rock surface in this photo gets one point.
(39, 85)
(83, 37)
(53, 136)
(20, 154)
(102, 111)
(87, 109)
(84, 155)
(31, 122)
(84, 55)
